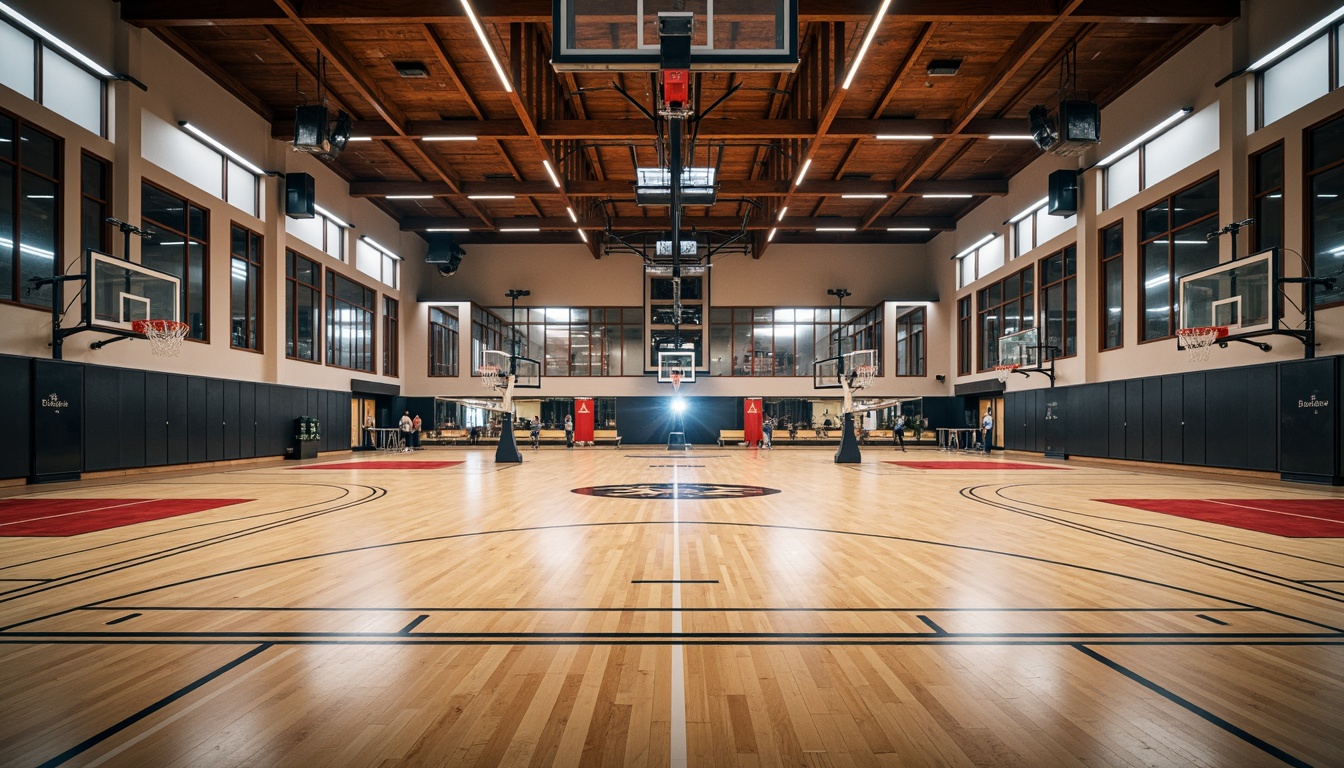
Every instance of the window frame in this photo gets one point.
(1257, 194)
(1062, 284)
(444, 336)
(1173, 279)
(333, 302)
(103, 201)
(204, 241)
(40, 51)
(391, 345)
(1309, 224)
(916, 336)
(254, 318)
(292, 286)
(19, 283)
(987, 352)
(1104, 262)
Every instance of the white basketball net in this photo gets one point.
(165, 336)
(1004, 371)
(489, 376)
(863, 376)
(1198, 342)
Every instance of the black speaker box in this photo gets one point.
(1080, 121)
(1063, 198)
(310, 126)
(299, 196)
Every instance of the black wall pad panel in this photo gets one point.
(1309, 426)
(56, 400)
(156, 419)
(102, 418)
(131, 437)
(1195, 416)
(230, 420)
(16, 413)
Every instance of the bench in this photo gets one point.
(731, 437)
(605, 436)
(444, 437)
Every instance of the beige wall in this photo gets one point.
(1187, 80)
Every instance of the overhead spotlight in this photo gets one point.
(1042, 128)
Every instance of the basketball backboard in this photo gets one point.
(622, 35)
(1022, 348)
(682, 363)
(526, 370)
(826, 373)
(121, 292)
(1242, 295)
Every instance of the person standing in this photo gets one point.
(369, 425)
(768, 433)
(416, 424)
(536, 433)
(987, 426)
(898, 430)
(569, 431)
(405, 426)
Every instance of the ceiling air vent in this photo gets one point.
(411, 68)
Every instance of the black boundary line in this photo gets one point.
(1074, 636)
(406, 630)
(127, 617)
(711, 524)
(344, 489)
(180, 549)
(1209, 562)
(1197, 710)
(107, 733)
(477, 609)
(1211, 619)
(937, 630)
(1167, 528)
(921, 639)
(674, 581)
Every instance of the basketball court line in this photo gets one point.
(678, 738)
(1132, 541)
(1158, 526)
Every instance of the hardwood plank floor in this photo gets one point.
(487, 615)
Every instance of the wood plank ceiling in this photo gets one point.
(1010, 53)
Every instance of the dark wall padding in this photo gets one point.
(16, 408)
(121, 418)
(1275, 417)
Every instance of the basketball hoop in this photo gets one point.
(1198, 342)
(489, 375)
(1004, 371)
(863, 376)
(676, 380)
(165, 336)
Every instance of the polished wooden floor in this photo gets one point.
(485, 614)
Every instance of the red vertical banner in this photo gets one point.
(583, 420)
(752, 410)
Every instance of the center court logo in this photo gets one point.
(675, 491)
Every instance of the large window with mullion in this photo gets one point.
(1267, 198)
(30, 211)
(964, 335)
(1059, 302)
(769, 341)
(1112, 307)
(245, 281)
(910, 342)
(1005, 307)
(579, 341)
(178, 243)
(443, 342)
(391, 346)
(350, 308)
(1325, 207)
(303, 307)
(95, 203)
(1174, 242)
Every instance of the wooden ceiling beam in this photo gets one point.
(639, 224)
(160, 13)
(728, 189)
(298, 60)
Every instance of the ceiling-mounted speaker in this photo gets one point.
(1063, 197)
(310, 128)
(1080, 122)
(299, 196)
